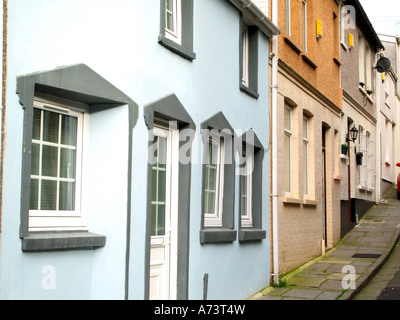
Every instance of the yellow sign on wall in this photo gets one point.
(351, 40)
(319, 29)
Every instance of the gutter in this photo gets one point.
(263, 22)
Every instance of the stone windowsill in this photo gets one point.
(61, 241)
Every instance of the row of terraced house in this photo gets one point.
(187, 149)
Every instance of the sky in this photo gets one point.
(384, 15)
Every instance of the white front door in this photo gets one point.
(164, 208)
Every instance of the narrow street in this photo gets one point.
(385, 285)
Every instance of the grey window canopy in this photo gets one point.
(75, 82)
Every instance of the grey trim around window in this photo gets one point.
(255, 232)
(185, 49)
(252, 88)
(170, 108)
(78, 83)
(226, 233)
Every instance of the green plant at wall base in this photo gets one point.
(281, 284)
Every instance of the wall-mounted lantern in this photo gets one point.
(353, 133)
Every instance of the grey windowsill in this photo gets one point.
(61, 241)
(176, 48)
(217, 235)
(252, 234)
(249, 91)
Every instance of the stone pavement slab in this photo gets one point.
(302, 293)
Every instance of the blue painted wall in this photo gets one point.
(118, 40)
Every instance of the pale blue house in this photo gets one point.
(136, 159)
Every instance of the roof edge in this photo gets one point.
(265, 24)
(373, 37)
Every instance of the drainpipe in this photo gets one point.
(3, 101)
(274, 94)
(378, 152)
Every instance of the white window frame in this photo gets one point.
(368, 67)
(365, 159)
(54, 220)
(387, 94)
(176, 13)
(361, 58)
(388, 138)
(247, 220)
(245, 53)
(288, 132)
(305, 150)
(369, 163)
(287, 17)
(215, 219)
(305, 25)
(361, 146)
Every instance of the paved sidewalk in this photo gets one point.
(364, 250)
(385, 285)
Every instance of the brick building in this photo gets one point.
(305, 219)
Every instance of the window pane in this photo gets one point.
(210, 202)
(35, 159)
(161, 220)
(245, 53)
(67, 163)
(153, 220)
(159, 188)
(36, 124)
(67, 196)
(154, 185)
(243, 195)
(211, 179)
(288, 121)
(305, 167)
(305, 128)
(212, 176)
(68, 130)
(162, 152)
(212, 154)
(48, 195)
(157, 220)
(169, 15)
(50, 126)
(33, 203)
(161, 185)
(170, 22)
(49, 161)
(286, 163)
